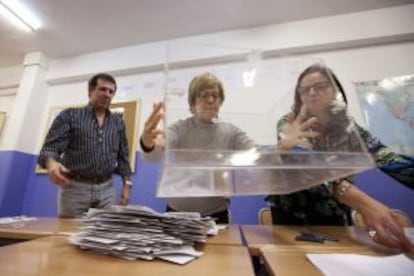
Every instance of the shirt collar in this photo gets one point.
(90, 109)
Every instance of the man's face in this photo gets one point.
(101, 96)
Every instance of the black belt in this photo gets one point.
(90, 179)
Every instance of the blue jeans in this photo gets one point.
(76, 198)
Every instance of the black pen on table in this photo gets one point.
(317, 237)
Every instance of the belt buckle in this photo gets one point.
(101, 179)
(98, 180)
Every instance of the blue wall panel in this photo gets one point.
(5, 167)
(387, 190)
(41, 196)
(14, 171)
(245, 209)
(24, 192)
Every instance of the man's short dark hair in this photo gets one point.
(104, 76)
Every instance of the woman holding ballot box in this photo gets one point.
(319, 122)
(203, 131)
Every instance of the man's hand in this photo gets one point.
(57, 172)
(151, 132)
(125, 195)
(296, 130)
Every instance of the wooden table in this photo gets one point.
(42, 227)
(229, 236)
(47, 226)
(55, 256)
(289, 263)
(262, 237)
(283, 255)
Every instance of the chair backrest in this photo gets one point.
(401, 217)
(265, 216)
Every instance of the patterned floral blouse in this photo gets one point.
(318, 205)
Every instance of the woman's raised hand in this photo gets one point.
(151, 131)
(296, 131)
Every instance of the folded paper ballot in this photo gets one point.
(138, 232)
(16, 221)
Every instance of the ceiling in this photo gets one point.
(73, 27)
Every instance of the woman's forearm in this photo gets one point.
(352, 196)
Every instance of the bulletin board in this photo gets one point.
(129, 111)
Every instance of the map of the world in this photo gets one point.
(388, 108)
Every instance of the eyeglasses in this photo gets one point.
(205, 96)
(317, 87)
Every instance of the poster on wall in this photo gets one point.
(388, 109)
(129, 111)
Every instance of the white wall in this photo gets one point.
(351, 65)
(9, 82)
(7, 101)
(361, 46)
(10, 76)
(6, 105)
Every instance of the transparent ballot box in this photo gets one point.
(220, 123)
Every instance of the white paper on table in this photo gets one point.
(177, 259)
(184, 250)
(181, 255)
(100, 240)
(221, 227)
(361, 265)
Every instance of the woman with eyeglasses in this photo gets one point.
(200, 131)
(319, 122)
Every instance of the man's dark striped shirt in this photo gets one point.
(87, 150)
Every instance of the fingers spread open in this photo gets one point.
(309, 134)
(308, 123)
(302, 114)
(290, 117)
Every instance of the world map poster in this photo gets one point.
(388, 109)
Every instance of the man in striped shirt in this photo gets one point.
(83, 148)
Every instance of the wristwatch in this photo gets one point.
(129, 183)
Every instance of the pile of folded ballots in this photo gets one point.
(138, 232)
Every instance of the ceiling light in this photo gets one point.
(19, 15)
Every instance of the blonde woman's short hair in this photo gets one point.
(201, 82)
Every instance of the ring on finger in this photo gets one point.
(372, 233)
